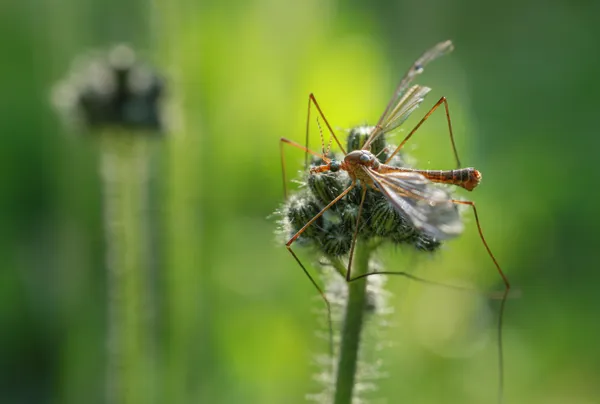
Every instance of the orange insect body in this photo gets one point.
(467, 178)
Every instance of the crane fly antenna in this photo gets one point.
(313, 100)
(325, 150)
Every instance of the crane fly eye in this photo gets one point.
(334, 166)
(365, 158)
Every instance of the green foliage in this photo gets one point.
(235, 314)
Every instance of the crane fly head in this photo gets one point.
(332, 165)
(335, 165)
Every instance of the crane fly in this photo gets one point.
(427, 208)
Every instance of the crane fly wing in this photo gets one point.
(438, 50)
(405, 106)
(428, 208)
(400, 112)
(400, 95)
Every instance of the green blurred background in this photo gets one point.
(236, 317)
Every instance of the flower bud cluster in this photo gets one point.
(111, 89)
(332, 233)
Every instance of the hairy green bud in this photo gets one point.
(359, 135)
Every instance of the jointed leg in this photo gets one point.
(360, 208)
(283, 141)
(440, 102)
(318, 215)
(313, 100)
(503, 302)
(327, 304)
(288, 245)
(489, 251)
(503, 297)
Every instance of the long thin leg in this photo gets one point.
(283, 141)
(492, 296)
(318, 215)
(313, 100)
(437, 104)
(481, 236)
(288, 245)
(385, 149)
(360, 208)
(307, 129)
(502, 302)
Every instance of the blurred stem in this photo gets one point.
(124, 170)
(352, 329)
(185, 280)
(190, 367)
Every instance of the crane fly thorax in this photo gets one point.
(361, 158)
(357, 158)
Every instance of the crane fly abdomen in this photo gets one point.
(467, 178)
